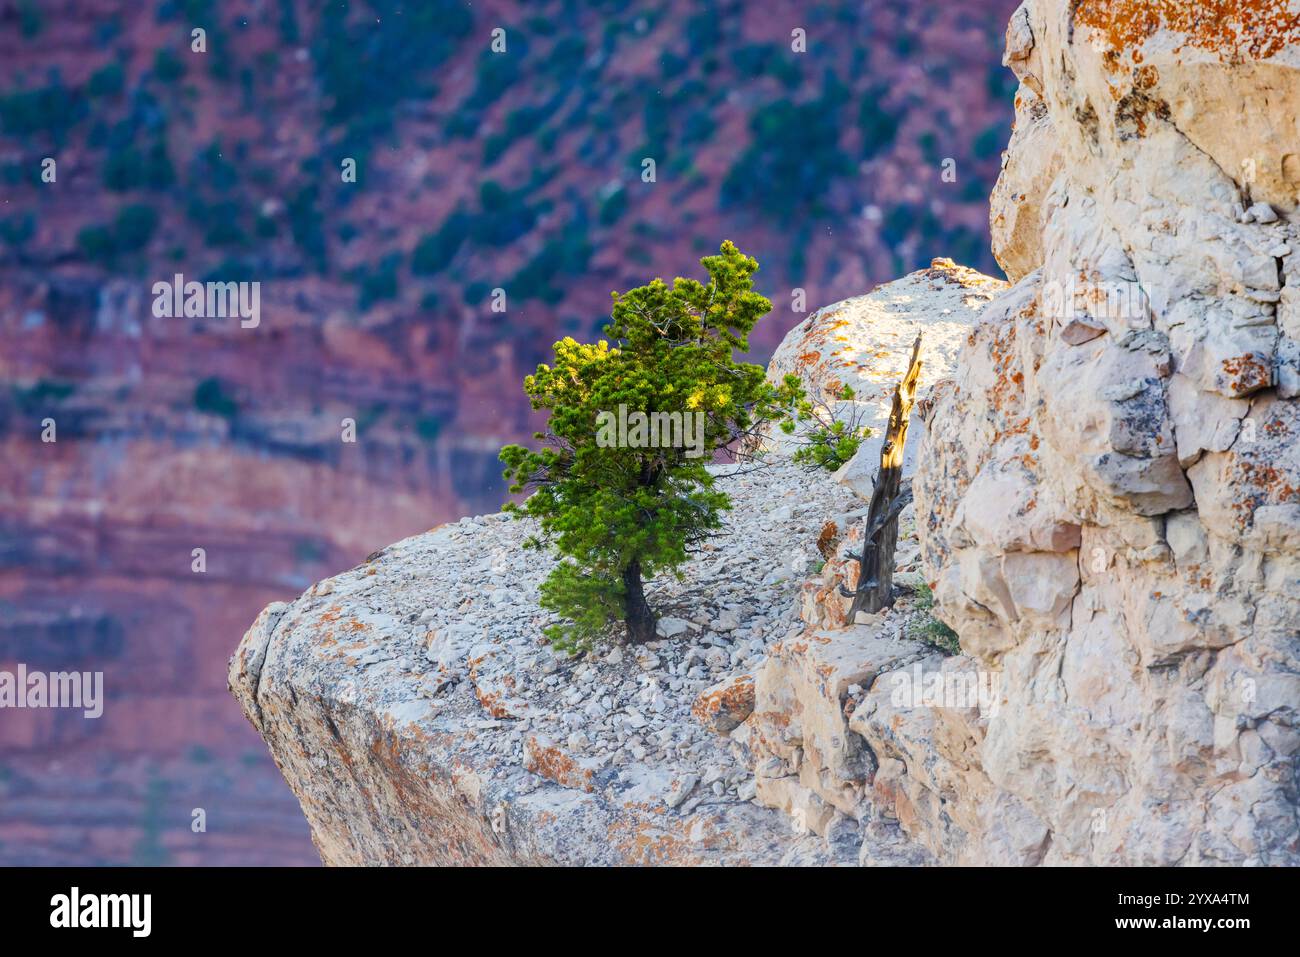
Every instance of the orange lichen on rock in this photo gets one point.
(722, 707)
(543, 758)
(1248, 374)
(1232, 29)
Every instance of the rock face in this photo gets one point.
(1108, 496)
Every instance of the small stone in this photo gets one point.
(671, 627)
(724, 705)
(773, 767)
(1261, 213)
(680, 790)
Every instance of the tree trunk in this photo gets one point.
(640, 619)
(876, 567)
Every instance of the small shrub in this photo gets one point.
(828, 442)
(930, 629)
(619, 510)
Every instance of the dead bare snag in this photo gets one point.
(889, 496)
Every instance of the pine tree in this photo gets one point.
(618, 509)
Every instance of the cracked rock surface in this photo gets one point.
(1108, 495)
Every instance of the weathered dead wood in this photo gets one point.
(889, 496)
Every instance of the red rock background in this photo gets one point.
(475, 170)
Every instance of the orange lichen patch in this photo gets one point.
(1232, 29)
(493, 701)
(1259, 485)
(1248, 373)
(550, 762)
(1145, 77)
(651, 842)
(777, 719)
(725, 706)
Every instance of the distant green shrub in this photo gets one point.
(307, 225)
(16, 231)
(504, 216)
(167, 66)
(52, 109)
(211, 398)
(565, 254)
(613, 206)
(134, 226)
(130, 232)
(106, 81)
(41, 394)
(131, 167)
(367, 65)
(435, 251)
(377, 284)
(96, 244)
(794, 154)
(31, 20)
(878, 125)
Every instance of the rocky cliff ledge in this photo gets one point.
(1108, 512)
(420, 718)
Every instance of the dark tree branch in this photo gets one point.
(888, 499)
